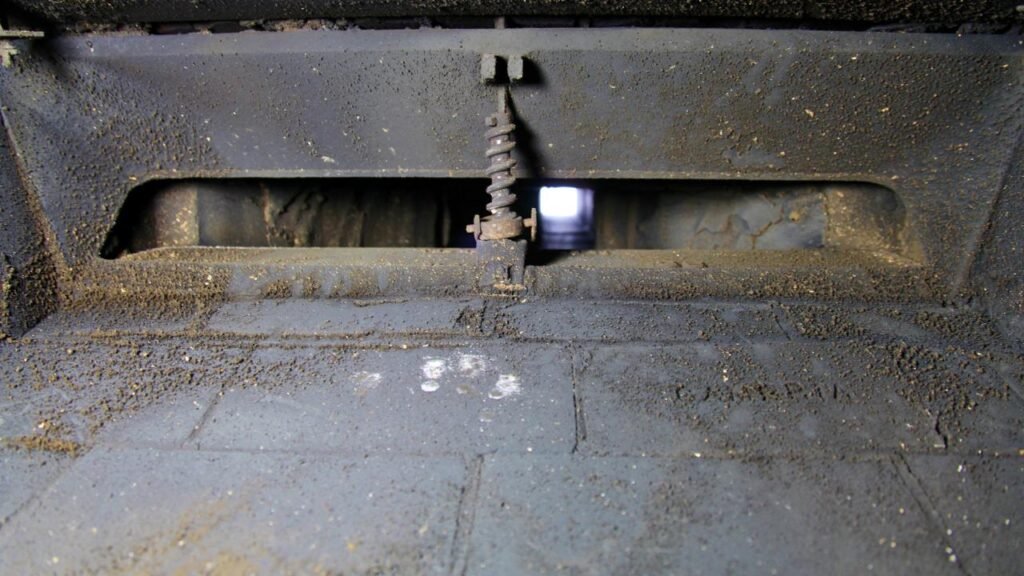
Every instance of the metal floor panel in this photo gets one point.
(481, 436)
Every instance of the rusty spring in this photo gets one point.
(499, 151)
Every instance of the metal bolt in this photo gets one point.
(475, 228)
(488, 68)
(531, 224)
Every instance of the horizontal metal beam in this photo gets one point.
(207, 275)
(849, 10)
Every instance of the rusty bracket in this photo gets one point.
(502, 264)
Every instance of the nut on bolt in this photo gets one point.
(498, 229)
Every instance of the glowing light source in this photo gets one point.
(560, 202)
(566, 217)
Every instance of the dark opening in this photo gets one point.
(352, 212)
(574, 214)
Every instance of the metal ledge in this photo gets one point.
(152, 278)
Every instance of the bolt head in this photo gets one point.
(475, 228)
(531, 223)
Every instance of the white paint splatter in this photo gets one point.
(365, 381)
(434, 368)
(472, 365)
(430, 386)
(507, 385)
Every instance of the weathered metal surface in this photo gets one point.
(502, 264)
(172, 277)
(28, 272)
(227, 403)
(452, 435)
(933, 117)
(998, 269)
(7, 50)
(947, 11)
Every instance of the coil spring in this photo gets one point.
(500, 146)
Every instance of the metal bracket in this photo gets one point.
(491, 69)
(503, 264)
(7, 48)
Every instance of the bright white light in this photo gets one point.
(560, 202)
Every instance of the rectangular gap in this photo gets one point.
(607, 214)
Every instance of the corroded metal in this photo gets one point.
(501, 255)
(503, 222)
(502, 265)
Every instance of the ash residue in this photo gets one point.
(44, 443)
(71, 391)
(947, 383)
(851, 380)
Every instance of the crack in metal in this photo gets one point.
(466, 515)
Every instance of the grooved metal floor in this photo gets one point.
(470, 436)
